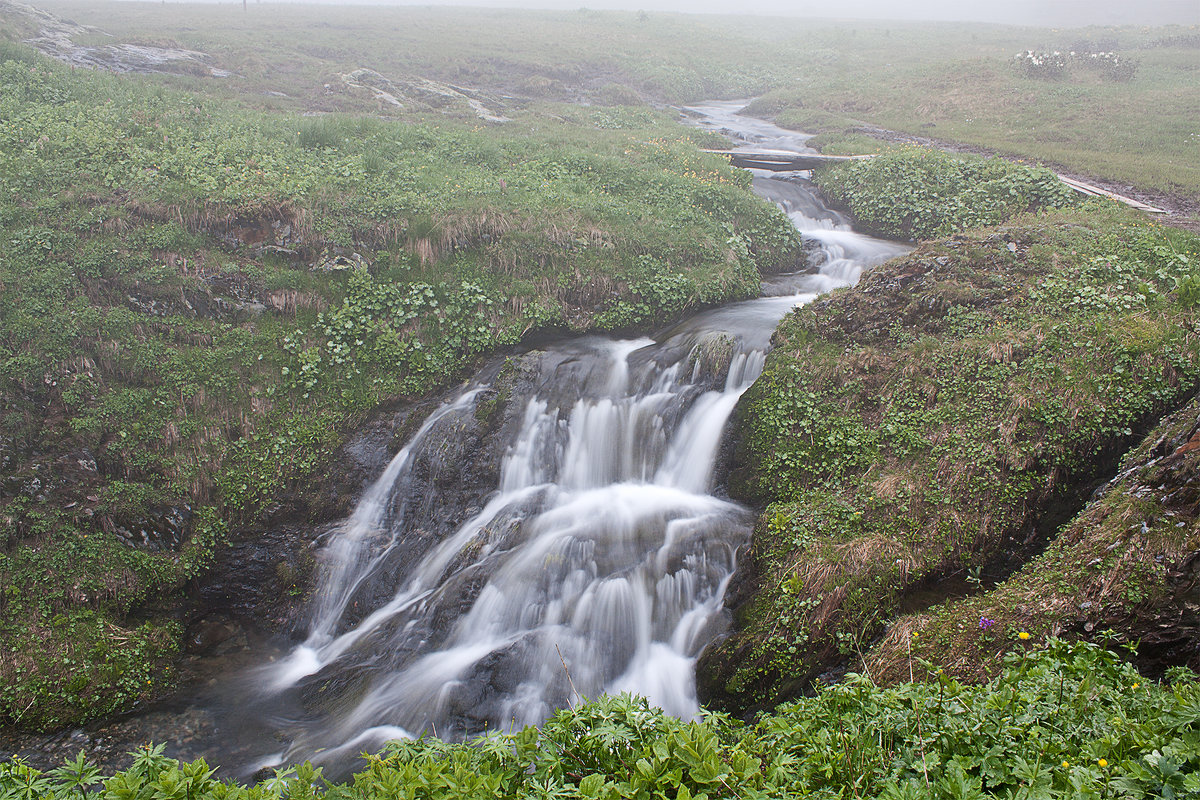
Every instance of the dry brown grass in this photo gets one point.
(871, 554)
(1000, 350)
(471, 228)
(890, 485)
(289, 301)
(869, 361)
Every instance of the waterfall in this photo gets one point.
(596, 563)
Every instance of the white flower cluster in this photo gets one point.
(1052, 64)
(1041, 64)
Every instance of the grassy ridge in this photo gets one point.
(1061, 720)
(1125, 563)
(198, 300)
(928, 422)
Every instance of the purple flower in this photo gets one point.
(985, 623)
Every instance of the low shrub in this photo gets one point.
(914, 192)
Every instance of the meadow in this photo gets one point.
(956, 82)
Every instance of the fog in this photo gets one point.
(1049, 13)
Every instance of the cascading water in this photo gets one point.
(598, 561)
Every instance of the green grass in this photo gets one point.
(960, 85)
(950, 81)
(921, 192)
(1061, 721)
(552, 55)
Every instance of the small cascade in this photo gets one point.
(598, 560)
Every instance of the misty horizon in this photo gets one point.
(1065, 13)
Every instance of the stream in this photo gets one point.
(596, 563)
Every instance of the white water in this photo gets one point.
(599, 561)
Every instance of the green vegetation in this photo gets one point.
(199, 299)
(906, 430)
(507, 56)
(1063, 721)
(955, 82)
(921, 192)
(202, 290)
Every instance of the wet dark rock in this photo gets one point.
(710, 359)
(359, 462)
(484, 693)
(262, 576)
(449, 480)
(258, 579)
(161, 529)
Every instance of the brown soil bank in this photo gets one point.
(928, 432)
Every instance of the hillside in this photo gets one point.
(199, 300)
(921, 436)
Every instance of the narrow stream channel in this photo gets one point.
(596, 564)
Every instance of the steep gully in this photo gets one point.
(592, 558)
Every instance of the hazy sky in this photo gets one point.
(1053, 13)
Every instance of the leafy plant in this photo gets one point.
(1063, 721)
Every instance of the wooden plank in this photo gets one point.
(1096, 191)
(781, 160)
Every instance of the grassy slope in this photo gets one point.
(935, 418)
(1127, 563)
(197, 299)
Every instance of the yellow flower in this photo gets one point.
(1065, 765)
(914, 634)
(1136, 685)
(1022, 636)
(1102, 763)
